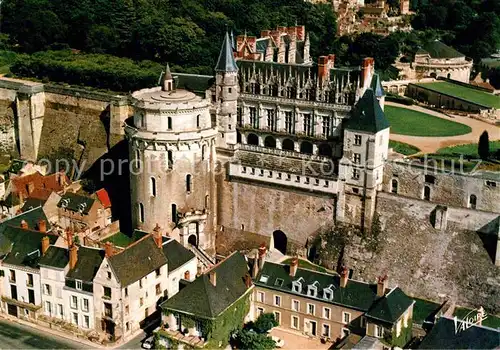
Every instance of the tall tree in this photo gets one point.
(483, 147)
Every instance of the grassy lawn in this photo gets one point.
(121, 239)
(491, 321)
(413, 123)
(403, 148)
(424, 310)
(467, 150)
(307, 265)
(465, 93)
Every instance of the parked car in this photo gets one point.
(148, 343)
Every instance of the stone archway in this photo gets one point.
(280, 241)
(252, 139)
(288, 145)
(193, 240)
(270, 142)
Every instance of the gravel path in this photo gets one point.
(432, 144)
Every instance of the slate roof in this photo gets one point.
(194, 82)
(176, 254)
(443, 336)
(32, 217)
(32, 203)
(89, 261)
(55, 257)
(367, 115)
(437, 49)
(390, 307)
(74, 202)
(202, 299)
(5, 245)
(356, 295)
(226, 62)
(137, 261)
(261, 44)
(376, 86)
(26, 246)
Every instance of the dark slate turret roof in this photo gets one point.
(437, 49)
(367, 116)
(376, 86)
(168, 73)
(226, 62)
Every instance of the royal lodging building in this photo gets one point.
(274, 144)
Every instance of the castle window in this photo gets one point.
(169, 123)
(271, 119)
(326, 127)
(427, 193)
(198, 121)
(252, 139)
(308, 129)
(357, 158)
(430, 179)
(138, 159)
(170, 159)
(207, 201)
(491, 184)
(290, 92)
(141, 212)
(355, 174)
(153, 186)
(394, 186)
(289, 122)
(229, 90)
(203, 152)
(174, 213)
(239, 116)
(254, 118)
(357, 140)
(306, 147)
(188, 183)
(472, 201)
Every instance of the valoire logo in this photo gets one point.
(470, 320)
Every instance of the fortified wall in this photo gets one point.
(43, 120)
(434, 251)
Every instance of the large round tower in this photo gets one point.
(172, 155)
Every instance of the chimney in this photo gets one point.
(108, 249)
(61, 178)
(301, 33)
(42, 226)
(293, 266)
(187, 275)
(281, 30)
(331, 61)
(213, 277)
(344, 277)
(157, 236)
(255, 267)
(252, 42)
(367, 68)
(323, 68)
(73, 257)
(45, 244)
(24, 224)
(248, 281)
(262, 255)
(264, 33)
(275, 34)
(69, 237)
(382, 282)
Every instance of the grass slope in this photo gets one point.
(403, 148)
(306, 265)
(469, 149)
(465, 93)
(490, 321)
(414, 123)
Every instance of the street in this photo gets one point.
(16, 336)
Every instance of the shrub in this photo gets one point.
(483, 147)
(265, 323)
(398, 99)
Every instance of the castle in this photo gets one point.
(272, 124)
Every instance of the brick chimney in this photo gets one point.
(42, 226)
(73, 257)
(323, 68)
(248, 280)
(301, 33)
(45, 244)
(69, 237)
(262, 255)
(157, 236)
(24, 224)
(212, 275)
(61, 178)
(382, 282)
(187, 275)
(108, 249)
(265, 33)
(275, 34)
(293, 266)
(367, 69)
(344, 277)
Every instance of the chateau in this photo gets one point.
(272, 124)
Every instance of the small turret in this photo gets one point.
(168, 80)
(226, 62)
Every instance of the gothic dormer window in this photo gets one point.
(273, 90)
(310, 94)
(297, 285)
(290, 92)
(312, 289)
(328, 292)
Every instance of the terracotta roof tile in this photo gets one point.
(103, 197)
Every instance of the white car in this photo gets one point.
(148, 343)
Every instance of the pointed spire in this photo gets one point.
(226, 62)
(233, 42)
(168, 73)
(167, 83)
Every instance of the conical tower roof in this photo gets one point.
(226, 62)
(168, 73)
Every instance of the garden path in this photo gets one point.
(432, 144)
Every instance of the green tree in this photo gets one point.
(265, 322)
(483, 147)
(246, 339)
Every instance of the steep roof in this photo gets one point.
(437, 49)
(52, 182)
(75, 202)
(367, 115)
(376, 86)
(390, 307)
(226, 62)
(444, 336)
(32, 203)
(31, 216)
(144, 256)
(55, 257)
(103, 197)
(203, 299)
(357, 295)
(194, 82)
(89, 261)
(26, 246)
(176, 254)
